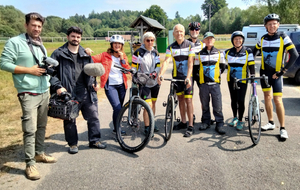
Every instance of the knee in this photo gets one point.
(278, 101)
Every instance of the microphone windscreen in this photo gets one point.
(51, 61)
(94, 69)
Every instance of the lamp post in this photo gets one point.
(209, 14)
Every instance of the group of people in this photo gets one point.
(193, 61)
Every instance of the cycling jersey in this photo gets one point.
(211, 64)
(238, 63)
(198, 47)
(273, 51)
(146, 61)
(180, 54)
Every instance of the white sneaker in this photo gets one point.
(283, 134)
(268, 126)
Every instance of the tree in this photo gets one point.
(177, 16)
(216, 5)
(157, 13)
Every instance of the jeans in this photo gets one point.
(89, 112)
(116, 95)
(34, 121)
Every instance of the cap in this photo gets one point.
(208, 34)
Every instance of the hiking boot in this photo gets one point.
(73, 149)
(204, 126)
(189, 132)
(233, 122)
(98, 144)
(32, 172)
(220, 129)
(239, 125)
(283, 134)
(268, 126)
(180, 126)
(44, 158)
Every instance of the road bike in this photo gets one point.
(254, 111)
(131, 132)
(171, 105)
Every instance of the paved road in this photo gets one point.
(204, 161)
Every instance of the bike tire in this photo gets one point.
(254, 120)
(135, 137)
(169, 118)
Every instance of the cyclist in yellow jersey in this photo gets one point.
(273, 46)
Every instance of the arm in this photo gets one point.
(163, 69)
(55, 82)
(190, 70)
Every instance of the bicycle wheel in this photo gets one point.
(254, 120)
(169, 118)
(136, 136)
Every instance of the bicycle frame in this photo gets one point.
(132, 96)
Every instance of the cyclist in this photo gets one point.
(240, 59)
(212, 64)
(146, 60)
(194, 28)
(273, 46)
(113, 81)
(182, 54)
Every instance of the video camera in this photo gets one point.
(49, 63)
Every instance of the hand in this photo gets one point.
(97, 87)
(88, 51)
(36, 70)
(121, 55)
(60, 90)
(160, 78)
(187, 81)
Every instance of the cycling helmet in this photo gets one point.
(269, 17)
(194, 25)
(116, 38)
(237, 33)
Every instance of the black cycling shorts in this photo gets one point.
(275, 84)
(149, 94)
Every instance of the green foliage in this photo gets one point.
(216, 5)
(157, 13)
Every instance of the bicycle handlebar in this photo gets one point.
(235, 86)
(124, 70)
(173, 80)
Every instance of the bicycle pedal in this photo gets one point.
(246, 119)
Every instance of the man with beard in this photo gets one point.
(22, 56)
(70, 77)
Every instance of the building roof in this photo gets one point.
(149, 24)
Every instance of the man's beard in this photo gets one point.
(74, 44)
(194, 36)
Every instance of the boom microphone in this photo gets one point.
(94, 69)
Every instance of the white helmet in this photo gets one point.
(116, 38)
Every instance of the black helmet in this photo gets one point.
(194, 25)
(272, 16)
(237, 33)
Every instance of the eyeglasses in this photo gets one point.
(197, 29)
(150, 40)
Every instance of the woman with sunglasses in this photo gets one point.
(146, 60)
(240, 61)
(114, 81)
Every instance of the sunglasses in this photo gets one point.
(197, 29)
(150, 40)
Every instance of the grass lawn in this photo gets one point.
(10, 112)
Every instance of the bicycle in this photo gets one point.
(254, 112)
(171, 105)
(131, 131)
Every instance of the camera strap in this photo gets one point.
(29, 42)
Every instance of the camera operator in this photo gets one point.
(71, 77)
(32, 85)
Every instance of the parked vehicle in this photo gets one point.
(294, 70)
(253, 33)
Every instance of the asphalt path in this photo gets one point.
(206, 160)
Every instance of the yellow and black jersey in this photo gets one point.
(273, 50)
(211, 64)
(238, 62)
(180, 54)
(198, 47)
(146, 61)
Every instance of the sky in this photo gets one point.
(67, 8)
